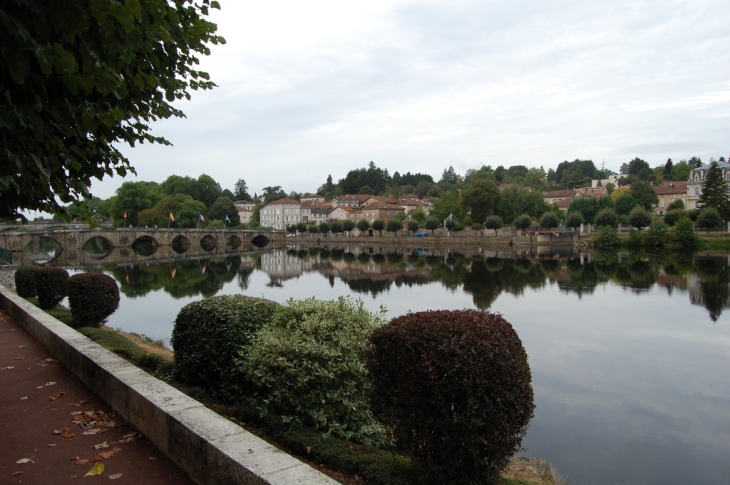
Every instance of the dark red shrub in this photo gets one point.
(92, 297)
(455, 386)
(50, 284)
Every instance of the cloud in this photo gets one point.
(307, 90)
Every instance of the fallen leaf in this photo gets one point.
(25, 460)
(9, 367)
(82, 461)
(309, 449)
(101, 445)
(92, 431)
(105, 455)
(50, 360)
(50, 383)
(97, 469)
(19, 358)
(115, 476)
(24, 398)
(16, 474)
(51, 444)
(20, 347)
(77, 404)
(76, 413)
(68, 435)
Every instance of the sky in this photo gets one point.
(311, 89)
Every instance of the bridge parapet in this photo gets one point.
(73, 240)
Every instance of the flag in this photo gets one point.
(202, 270)
(173, 272)
(201, 217)
(125, 214)
(228, 219)
(172, 218)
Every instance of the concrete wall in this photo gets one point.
(210, 448)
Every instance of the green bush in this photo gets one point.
(635, 241)
(25, 281)
(456, 388)
(209, 335)
(50, 284)
(682, 237)
(606, 237)
(309, 366)
(92, 297)
(606, 217)
(549, 220)
(672, 216)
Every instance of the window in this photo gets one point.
(697, 191)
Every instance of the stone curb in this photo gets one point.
(209, 448)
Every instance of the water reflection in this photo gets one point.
(484, 276)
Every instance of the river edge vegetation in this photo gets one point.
(358, 461)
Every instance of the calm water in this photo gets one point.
(629, 353)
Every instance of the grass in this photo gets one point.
(376, 466)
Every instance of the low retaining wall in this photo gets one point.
(210, 448)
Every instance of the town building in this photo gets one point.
(668, 192)
(697, 178)
(280, 213)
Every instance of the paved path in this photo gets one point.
(53, 429)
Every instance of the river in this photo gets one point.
(629, 352)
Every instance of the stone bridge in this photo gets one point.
(161, 244)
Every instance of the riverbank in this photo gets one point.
(522, 470)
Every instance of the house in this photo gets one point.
(315, 212)
(312, 198)
(668, 192)
(612, 179)
(380, 210)
(280, 213)
(244, 214)
(563, 205)
(352, 200)
(697, 178)
(592, 191)
(557, 195)
(343, 213)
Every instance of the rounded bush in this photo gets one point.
(606, 238)
(50, 284)
(25, 281)
(209, 335)
(456, 388)
(92, 297)
(309, 365)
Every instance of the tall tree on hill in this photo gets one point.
(637, 167)
(376, 178)
(240, 190)
(715, 192)
(644, 194)
(481, 200)
(81, 78)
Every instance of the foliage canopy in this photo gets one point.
(78, 77)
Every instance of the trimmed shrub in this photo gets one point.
(92, 297)
(209, 335)
(25, 281)
(456, 388)
(639, 217)
(549, 220)
(309, 365)
(606, 217)
(50, 284)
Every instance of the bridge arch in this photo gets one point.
(260, 241)
(208, 243)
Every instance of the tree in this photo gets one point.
(637, 167)
(131, 199)
(366, 190)
(493, 222)
(681, 170)
(481, 200)
(448, 203)
(413, 226)
(378, 225)
(709, 218)
(432, 224)
(522, 222)
(362, 225)
(449, 176)
(422, 188)
(715, 192)
(393, 226)
(639, 217)
(302, 227)
(240, 190)
(676, 204)
(336, 227)
(606, 217)
(224, 207)
(80, 78)
(574, 219)
(549, 220)
(348, 225)
(586, 206)
(624, 203)
(644, 194)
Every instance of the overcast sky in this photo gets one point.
(308, 89)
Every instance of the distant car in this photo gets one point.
(291, 234)
(421, 234)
